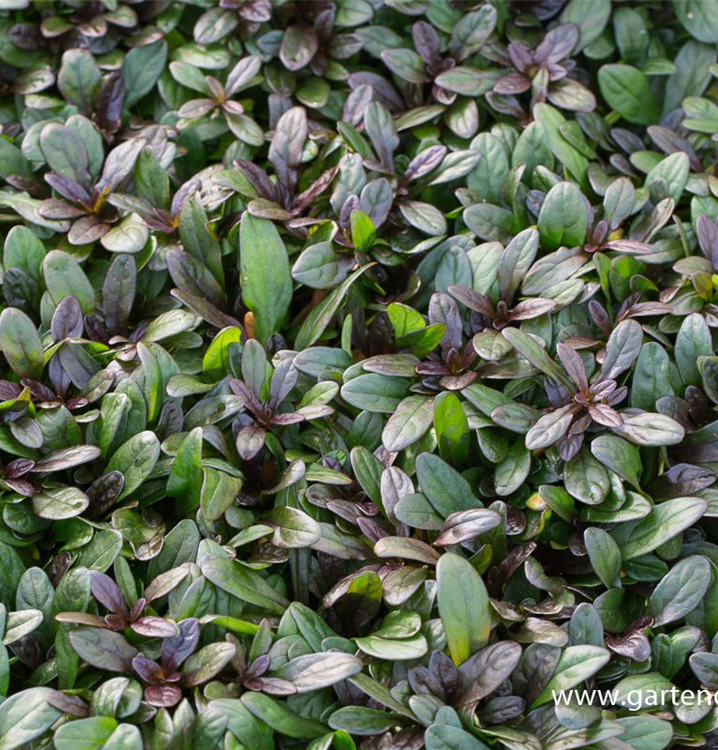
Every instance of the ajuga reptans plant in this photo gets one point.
(358, 374)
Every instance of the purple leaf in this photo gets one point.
(177, 649)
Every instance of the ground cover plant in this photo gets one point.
(358, 385)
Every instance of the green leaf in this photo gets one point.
(705, 668)
(559, 501)
(197, 239)
(586, 479)
(651, 377)
(321, 316)
(101, 551)
(444, 487)
(293, 528)
(663, 523)
(320, 266)
(605, 556)
(513, 470)
(698, 17)
(103, 649)
(680, 591)
(467, 524)
(363, 230)
(281, 718)
(646, 732)
(22, 623)
(577, 664)
(264, 275)
(563, 217)
(85, 734)
(375, 393)
(26, 716)
(452, 427)
(406, 649)
(20, 343)
(64, 278)
(404, 319)
(185, 480)
(693, 341)
(380, 693)
(591, 19)
(463, 607)
(180, 546)
(622, 349)
(142, 68)
(529, 348)
(59, 503)
(243, 583)
(651, 429)
(619, 457)
(626, 89)
(673, 170)
(550, 428)
(634, 691)
(364, 721)
(488, 177)
(411, 419)
(406, 64)
(129, 236)
(316, 671)
(135, 459)
(118, 293)
(552, 121)
(207, 663)
(219, 491)
(447, 737)
(23, 250)
(79, 78)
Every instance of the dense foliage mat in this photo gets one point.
(358, 385)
